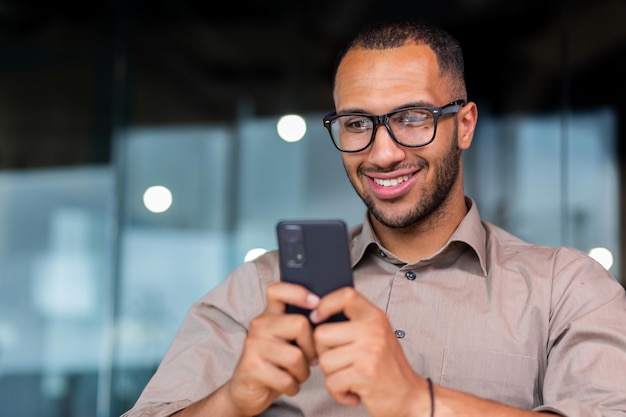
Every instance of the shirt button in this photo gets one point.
(410, 275)
(400, 333)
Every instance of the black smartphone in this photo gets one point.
(316, 255)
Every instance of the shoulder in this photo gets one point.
(259, 271)
(506, 245)
(266, 267)
(241, 296)
(510, 253)
(249, 278)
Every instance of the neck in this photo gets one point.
(424, 238)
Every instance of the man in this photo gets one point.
(449, 316)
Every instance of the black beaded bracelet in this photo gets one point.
(432, 397)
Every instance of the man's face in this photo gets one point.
(400, 186)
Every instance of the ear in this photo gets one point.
(467, 117)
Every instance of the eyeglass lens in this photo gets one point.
(412, 127)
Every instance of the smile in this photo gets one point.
(392, 182)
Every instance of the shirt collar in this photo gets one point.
(469, 232)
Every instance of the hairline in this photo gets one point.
(395, 34)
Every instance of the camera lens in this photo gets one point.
(293, 234)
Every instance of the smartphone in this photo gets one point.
(316, 255)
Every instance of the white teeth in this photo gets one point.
(392, 182)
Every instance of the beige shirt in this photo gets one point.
(530, 326)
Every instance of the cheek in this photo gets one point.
(350, 164)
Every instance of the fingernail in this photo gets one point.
(313, 316)
(312, 300)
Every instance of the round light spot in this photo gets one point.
(157, 198)
(253, 254)
(603, 256)
(291, 128)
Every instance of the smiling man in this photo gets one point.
(413, 191)
(449, 315)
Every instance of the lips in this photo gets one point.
(392, 188)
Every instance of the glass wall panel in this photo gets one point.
(550, 179)
(55, 290)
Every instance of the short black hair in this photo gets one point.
(395, 33)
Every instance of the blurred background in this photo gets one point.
(144, 155)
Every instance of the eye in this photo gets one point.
(354, 123)
(412, 118)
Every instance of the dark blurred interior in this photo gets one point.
(72, 72)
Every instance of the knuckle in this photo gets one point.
(256, 324)
(272, 289)
(302, 324)
(349, 294)
(293, 357)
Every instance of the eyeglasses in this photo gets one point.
(412, 127)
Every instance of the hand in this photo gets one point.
(363, 360)
(277, 353)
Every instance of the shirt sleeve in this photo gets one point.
(208, 344)
(586, 368)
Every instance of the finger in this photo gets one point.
(283, 330)
(346, 300)
(295, 328)
(372, 333)
(334, 353)
(281, 293)
(338, 386)
(304, 340)
(286, 357)
(257, 379)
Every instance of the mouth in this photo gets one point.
(390, 187)
(391, 182)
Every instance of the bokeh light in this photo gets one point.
(603, 256)
(253, 254)
(157, 198)
(291, 128)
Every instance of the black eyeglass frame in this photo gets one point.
(383, 119)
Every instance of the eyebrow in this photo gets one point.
(403, 106)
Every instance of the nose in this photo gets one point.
(385, 151)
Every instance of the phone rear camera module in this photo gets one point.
(293, 244)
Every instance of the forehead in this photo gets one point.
(379, 80)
